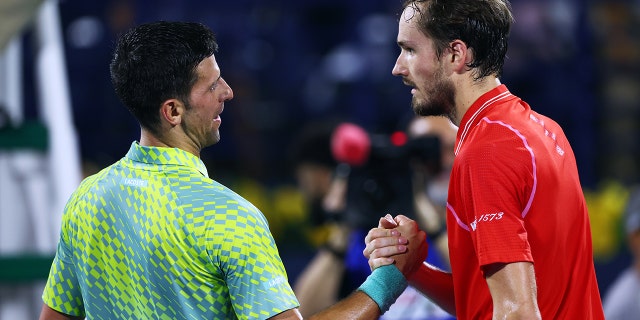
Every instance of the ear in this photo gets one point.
(171, 111)
(461, 56)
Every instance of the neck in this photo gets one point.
(469, 90)
(149, 139)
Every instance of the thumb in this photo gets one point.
(402, 219)
(387, 222)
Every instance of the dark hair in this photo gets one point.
(157, 61)
(483, 25)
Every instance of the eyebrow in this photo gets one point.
(217, 79)
(402, 44)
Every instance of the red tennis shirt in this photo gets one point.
(514, 196)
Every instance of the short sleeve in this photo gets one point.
(62, 291)
(256, 278)
(495, 182)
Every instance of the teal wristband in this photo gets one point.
(384, 285)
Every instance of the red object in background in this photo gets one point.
(350, 144)
(399, 138)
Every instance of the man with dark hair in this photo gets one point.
(152, 236)
(517, 222)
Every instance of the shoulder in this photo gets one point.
(213, 198)
(90, 182)
(510, 127)
(493, 139)
(497, 146)
(200, 186)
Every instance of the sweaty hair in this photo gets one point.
(157, 61)
(483, 25)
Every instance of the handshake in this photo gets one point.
(396, 241)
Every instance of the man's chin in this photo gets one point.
(214, 140)
(423, 109)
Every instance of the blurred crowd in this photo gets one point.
(292, 63)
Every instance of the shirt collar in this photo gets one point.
(164, 156)
(472, 116)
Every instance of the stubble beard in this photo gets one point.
(207, 139)
(439, 99)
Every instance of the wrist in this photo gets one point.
(384, 285)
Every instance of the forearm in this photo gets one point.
(437, 285)
(513, 290)
(376, 294)
(356, 306)
(373, 297)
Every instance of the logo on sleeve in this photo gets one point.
(488, 217)
(275, 282)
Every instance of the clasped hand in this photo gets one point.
(396, 240)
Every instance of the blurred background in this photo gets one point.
(290, 63)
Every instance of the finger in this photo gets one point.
(388, 252)
(384, 256)
(406, 226)
(387, 222)
(375, 263)
(376, 239)
(386, 246)
(376, 233)
(386, 242)
(402, 219)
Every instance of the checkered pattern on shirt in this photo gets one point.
(152, 237)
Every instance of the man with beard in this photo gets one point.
(518, 227)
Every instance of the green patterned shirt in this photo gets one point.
(152, 237)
